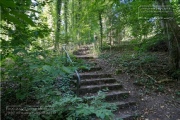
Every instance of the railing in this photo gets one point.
(77, 74)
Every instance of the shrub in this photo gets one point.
(155, 43)
(44, 81)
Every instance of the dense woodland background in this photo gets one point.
(33, 32)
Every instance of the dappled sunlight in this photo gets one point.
(90, 59)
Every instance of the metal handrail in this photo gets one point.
(77, 74)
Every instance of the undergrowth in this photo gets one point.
(38, 85)
(154, 44)
(148, 69)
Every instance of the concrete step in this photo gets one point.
(96, 88)
(94, 75)
(92, 82)
(124, 104)
(91, 69)
(83, 49)
(92, 62)
(117, 95)
(98, 81)
(111, 95)
(81, 52)
(127, 117)
(84, 56)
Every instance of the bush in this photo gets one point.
(147, 69)
(155, 43)
(43, 81)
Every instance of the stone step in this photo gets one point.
(84, 56)
(96, 88)
(83, 48)
(91, 69)
(127, 117)
(112, 95)
(81, 52)
(94, 75)
(117, 95)
(123, 104)
(91, 61)
(92, 82)
(98, 81)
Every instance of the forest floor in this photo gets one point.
(156, 94)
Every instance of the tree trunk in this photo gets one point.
(174, 42)
(78, 16)
(72, 18)
(65, 19)
(58, 23)
(173, 32)
(101, 28)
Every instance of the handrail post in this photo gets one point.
(77, 74)
(64, 55)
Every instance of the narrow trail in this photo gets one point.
(97, 79)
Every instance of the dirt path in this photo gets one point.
(152, 105)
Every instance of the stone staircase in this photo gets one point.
(96, 79)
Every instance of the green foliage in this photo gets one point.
(178, 93)
(12, 12)
(93, 107)
(176, 74)
(32, 74)
(175, 6)
(155, 43)
(19, 31)
(71, 107)
(148, 69)
(37, 78)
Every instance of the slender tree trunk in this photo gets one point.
(89, 30)
(72, 20)
(101, 28)
(78, 16)
(65, 19)
(110, 38)
(72, 15)
(58, 24)
(110, 32)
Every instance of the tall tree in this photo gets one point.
(174, 38)
(58, 23)
(66, 19)
(101, 28)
